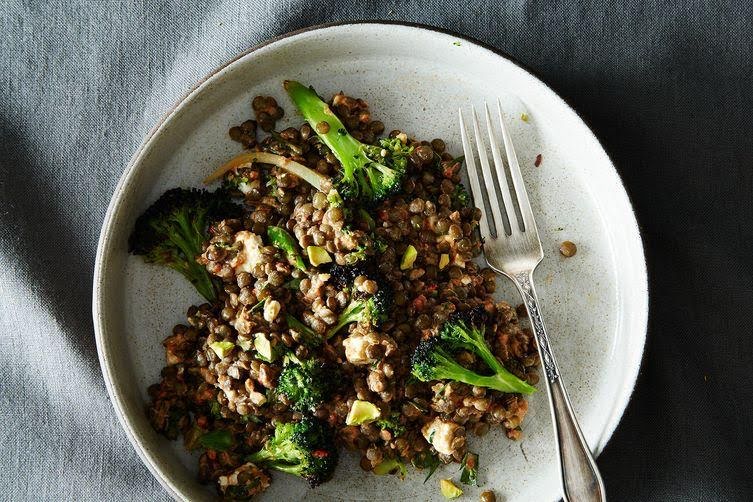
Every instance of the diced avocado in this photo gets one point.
(318, 255)
(408, 257)
(444, 260)
(448, 489)
(362, 412)
(390, 466)
(264, 347)
(222, 349)
(244, 342)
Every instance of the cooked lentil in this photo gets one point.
(568, 249)
(201, 392)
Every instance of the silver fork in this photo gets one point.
(512, 248)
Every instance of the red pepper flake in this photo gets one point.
(431, 288)
(202, 422)
(320, 454)
(537, 163)
(450, 170)
(419, 303)
(383, 215)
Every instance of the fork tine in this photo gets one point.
(478, 199)
(517, 178)
(499, 166)
(488, 177)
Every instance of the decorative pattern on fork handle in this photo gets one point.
(523, 281)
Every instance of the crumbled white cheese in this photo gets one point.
(440, 434)
(271, 309)
(250, 253)
(355, 349)
(257, 398)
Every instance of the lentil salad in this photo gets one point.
(362, 280)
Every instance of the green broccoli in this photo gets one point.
(305, 449)
(172, 231)
(306, 384)
(433, 358)
(372, 309)
(369, 172)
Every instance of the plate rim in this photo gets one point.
(128, 172)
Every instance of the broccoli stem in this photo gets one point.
(348, 150)
(503, 382)
(189, 242)
(351, 314)
(481, 348)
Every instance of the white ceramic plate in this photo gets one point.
(415, 79)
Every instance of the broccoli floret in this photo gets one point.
(433, 360)
(304, 449)
(369, 172)
(344, 275)
(461, 331)
(306, 384)
(372, 309)
(172, 231)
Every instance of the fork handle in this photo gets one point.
(581, 480)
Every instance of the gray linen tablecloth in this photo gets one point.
(667, 86)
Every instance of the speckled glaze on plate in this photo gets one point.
(596, 303)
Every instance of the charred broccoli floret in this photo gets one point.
(305, 449)
(344, 275)
(306, 384)
(369, 172)
(433, 358)
(172, 231)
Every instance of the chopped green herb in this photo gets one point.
(215, 409)
(281, 239)
(366, 217)
(456, 43)
(219, 440)
(469, 467)
(433, 466)
(392, 424)
(258, 306)
(293, 284)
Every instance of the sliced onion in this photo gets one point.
(309, 175)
